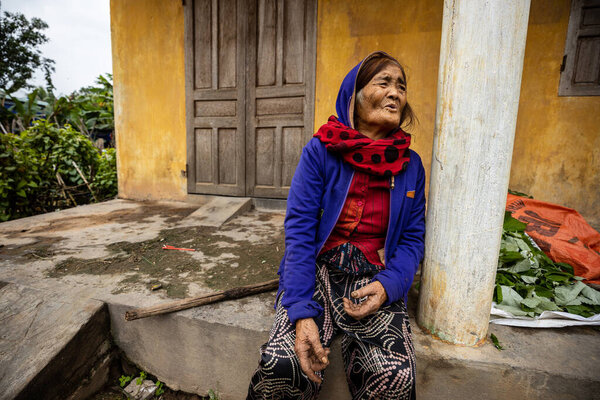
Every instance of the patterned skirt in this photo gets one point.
(377, 350)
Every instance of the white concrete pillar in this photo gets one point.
(481, 62)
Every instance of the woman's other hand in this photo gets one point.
(375, 296)
(311, 354)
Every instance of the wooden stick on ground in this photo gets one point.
(178, 305)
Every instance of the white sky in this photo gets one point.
(79, 33)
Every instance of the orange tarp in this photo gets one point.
(561, 233)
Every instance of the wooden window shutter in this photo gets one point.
(580, 72)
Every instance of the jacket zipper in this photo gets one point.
(387, 233)
(338, 214)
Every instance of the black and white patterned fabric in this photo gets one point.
(378, 353)
(349, 259)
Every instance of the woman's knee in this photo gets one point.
(279, 364)
(378, 374)
(401, 383)
(386, 384)
(279, 377)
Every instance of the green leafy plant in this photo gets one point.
(93, 106)
(212, 395)
(25, 112)
(159, 388)
(39, 170)
(528, 282)
(124, 380)
(18, 177)
(140, 379)
(496, 342)
(516, 193)
(105, 181)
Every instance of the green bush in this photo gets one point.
(105, 181)
(38, 173)
(19, 180)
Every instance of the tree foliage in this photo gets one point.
(47, 158)
(90, 109)
(20, 55)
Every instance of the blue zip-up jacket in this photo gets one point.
(321, 182)
(317, 195)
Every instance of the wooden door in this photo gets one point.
(249, 93)
(215, 93)
(280, 91)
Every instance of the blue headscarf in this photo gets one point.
(346, 93)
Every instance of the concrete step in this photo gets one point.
(49, 343)
(216, 347)
(214, 211)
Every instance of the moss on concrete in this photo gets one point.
(40, 249)
(219, 262)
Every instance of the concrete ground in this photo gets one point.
(59, 269)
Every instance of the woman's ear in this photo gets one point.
(354, 102)
(351, 112)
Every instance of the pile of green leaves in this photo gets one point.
(528, 282)
(31, 160)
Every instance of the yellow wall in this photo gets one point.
(557, 145)
(149, 89)
(410, 31)
(556, 156)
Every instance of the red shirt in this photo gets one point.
(364, 218)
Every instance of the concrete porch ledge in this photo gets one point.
(69, 257)
(49, 344)
(217, 347)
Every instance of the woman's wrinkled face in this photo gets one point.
(381, 101)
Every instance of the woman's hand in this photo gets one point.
(311, 354)
(376, 296)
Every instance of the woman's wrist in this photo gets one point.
(302, 322)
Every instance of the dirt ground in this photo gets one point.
(124, 246)
(222, 260)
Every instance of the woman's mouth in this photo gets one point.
(391, 107)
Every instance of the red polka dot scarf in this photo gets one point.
(384, 157)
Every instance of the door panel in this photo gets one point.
(215, 102)
(202, 34)
(267, 42)
(203, 143)
(265, 157)
(293, 141)
(293, 41)
(227, 45)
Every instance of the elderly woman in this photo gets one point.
(354, 235)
